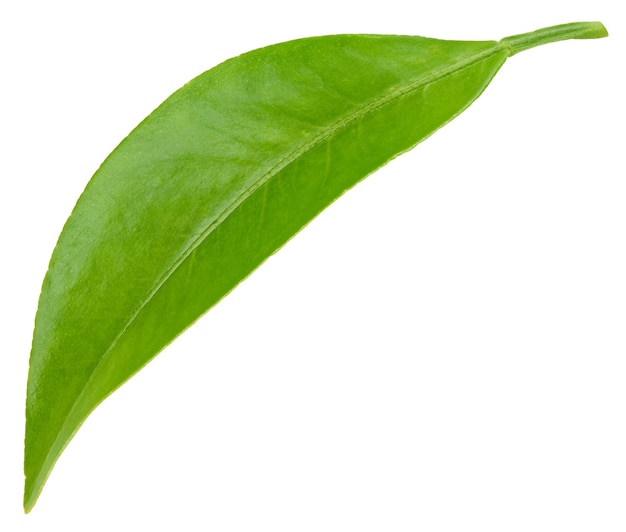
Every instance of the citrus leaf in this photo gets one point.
(214, 181)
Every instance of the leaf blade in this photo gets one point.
(207, 187)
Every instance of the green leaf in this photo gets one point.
(214, 181)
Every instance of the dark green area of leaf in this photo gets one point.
(218, 178)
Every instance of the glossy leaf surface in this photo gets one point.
(214, 181)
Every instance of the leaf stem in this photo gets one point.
(574, 30)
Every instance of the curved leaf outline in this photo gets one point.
(214, 181)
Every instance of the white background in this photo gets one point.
(443, 349)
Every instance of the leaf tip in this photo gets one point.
(29, 500)
(33, 485)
